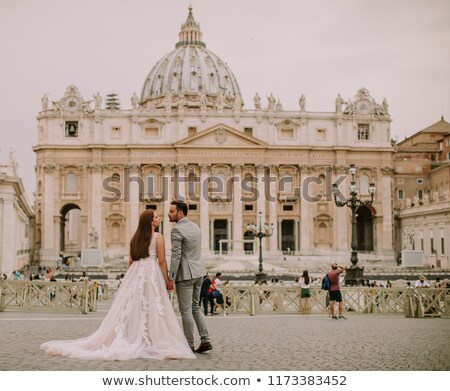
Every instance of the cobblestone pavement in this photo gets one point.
(262, 342)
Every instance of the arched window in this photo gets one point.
(218, 183)
(321, 188)
(323, 233)
(71, 183)
(151, 184)
(192, 182)
(249, 187)
(115, 232)
(287, 184)
(364, 184)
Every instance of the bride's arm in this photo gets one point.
(161, 254)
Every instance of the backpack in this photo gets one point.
(326, 283)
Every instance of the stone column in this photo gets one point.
(211, 236)
(306, 214)
(229, 245)
(273, 204)
(8, 257)
(238, 247)
(167, 190)
(95, 170)
(342, 226)
(180, 186)
(134, 194)
(49, 252)
(260, 186)
(386, 210)
(204, 208)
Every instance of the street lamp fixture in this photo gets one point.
(354, 275)
(260, 231)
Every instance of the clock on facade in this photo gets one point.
(71, 104)
(363, 107)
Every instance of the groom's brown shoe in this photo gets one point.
(204, 347)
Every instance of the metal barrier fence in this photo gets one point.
(244, 299)
(48, 296)
(286, 300)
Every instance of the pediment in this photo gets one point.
(151, 122)
(220, 136)
(287, 123)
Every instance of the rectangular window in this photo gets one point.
(71, 128)
(400, 181)
(448, 156)
(419, 181)
(151, 207)
(421, 244)
(363, 131)
(287, 133)
(248, 132)
(400, 194)
(248, 208)
(192, 207)
(288, 207)
(192, 131)
(448, 142)
(321, 134)
(115, 132)
(442, 246)
(151, 132)
(432, 245)
(420, 194)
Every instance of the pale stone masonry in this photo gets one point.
(16, 221)
(189, 135)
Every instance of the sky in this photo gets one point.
(397, 49)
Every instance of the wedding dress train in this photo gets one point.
(140, 324)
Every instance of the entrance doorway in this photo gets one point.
(287, 235)
(364, 228)
(70, 233)
(220, 232)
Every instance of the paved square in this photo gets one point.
(262, 342)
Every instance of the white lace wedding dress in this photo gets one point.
(140, 324)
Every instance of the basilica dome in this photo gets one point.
(191, 76)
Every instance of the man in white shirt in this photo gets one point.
(422, 282)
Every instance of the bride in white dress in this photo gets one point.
(141, 322)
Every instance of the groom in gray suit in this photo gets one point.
(186, 273)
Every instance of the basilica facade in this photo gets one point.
(189, 136)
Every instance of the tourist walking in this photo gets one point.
(141, 322)
(186, 274)
(305, 293)
(335, 290)
(205, 296)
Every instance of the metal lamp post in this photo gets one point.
(260, 231)
(354, 274)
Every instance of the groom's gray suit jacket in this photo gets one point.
(186, 262)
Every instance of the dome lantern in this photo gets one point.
(191, 76)
(190, 33)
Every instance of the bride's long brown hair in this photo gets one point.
(140, 242)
